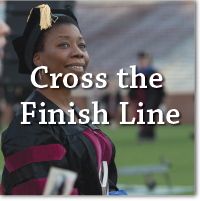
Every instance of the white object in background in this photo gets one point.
(60, 181)
(103, 177)
(163, 108)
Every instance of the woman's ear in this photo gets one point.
(37, 59)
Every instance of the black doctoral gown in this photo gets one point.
(31, 149)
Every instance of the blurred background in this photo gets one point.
(115, 32)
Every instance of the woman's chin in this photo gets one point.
(70, 82)
(79, 81)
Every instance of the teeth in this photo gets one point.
(77, 67)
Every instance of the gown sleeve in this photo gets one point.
(29, 152)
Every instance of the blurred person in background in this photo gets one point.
(4, 31)
(150, 97)
(14, 96)
(6, 91)
(111, 101)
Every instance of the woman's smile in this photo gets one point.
(76, 67)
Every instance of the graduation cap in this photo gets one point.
(40, 18)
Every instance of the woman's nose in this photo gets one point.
(76, 52)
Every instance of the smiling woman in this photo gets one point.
(53, 38)
(63, 49)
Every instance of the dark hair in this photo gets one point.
(39, 45)
(143, 55)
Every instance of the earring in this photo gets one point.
(42, 73)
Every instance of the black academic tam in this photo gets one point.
(30, 151)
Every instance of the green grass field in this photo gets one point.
(172, 141)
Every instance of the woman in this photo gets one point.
(30, 150)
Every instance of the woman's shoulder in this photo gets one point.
(20, 136)
(30, 115)
(33, 103)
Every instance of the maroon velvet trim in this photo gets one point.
(33, 187)
(106, 147)
(33, 154)
(74, 191)
(101, 144)
(1, 190)
(97, 145)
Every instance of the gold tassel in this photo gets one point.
(45, 16)
(29, 15)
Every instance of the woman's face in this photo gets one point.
(64, 52)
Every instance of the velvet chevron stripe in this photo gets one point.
(33, 154)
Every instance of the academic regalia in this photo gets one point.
(31, 149)
(150, 97)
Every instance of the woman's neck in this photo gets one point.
(60, 96)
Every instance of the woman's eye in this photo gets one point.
(82, 46)
(64, 45)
